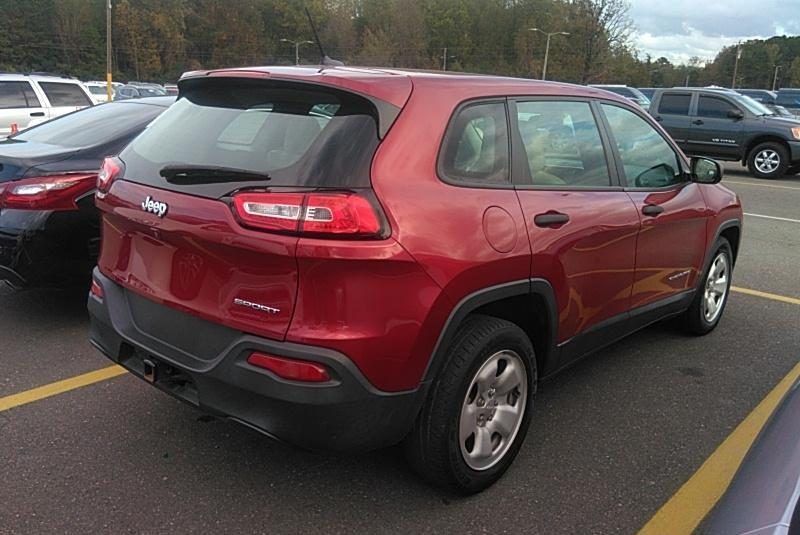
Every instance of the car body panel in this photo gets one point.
(384, 305)
(763, 496)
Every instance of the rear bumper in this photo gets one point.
(43, 248)
(344, 414)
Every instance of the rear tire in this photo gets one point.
(709, 302)
(478, 409)
(768, 160)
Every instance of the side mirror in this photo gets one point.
(736, 114)
(706, 171)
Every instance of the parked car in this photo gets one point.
(762, 499)
(728, 126)
(631, 93)
(647, 91)
(171, 89)
(789, 99)
(28, 99)
(763, 96)
(99, 91)
(139, 91)
(342, 263)
(49, 227)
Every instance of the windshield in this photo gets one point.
(97, 90)
(299, 135)
(151, 92)
(91, 126)
(752, 106)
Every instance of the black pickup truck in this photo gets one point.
(725, 125)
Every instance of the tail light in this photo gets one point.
(52, 192)
(110, 170)
(14, 128)
(292, 369)
(344, 214)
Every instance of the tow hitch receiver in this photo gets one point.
(149, 371)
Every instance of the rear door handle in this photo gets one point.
(698, 122)
(550, 219)
(37, 114)
(652, 209)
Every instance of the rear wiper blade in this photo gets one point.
(200, 174)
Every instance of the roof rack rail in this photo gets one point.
(45, 73)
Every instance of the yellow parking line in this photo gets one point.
(767, 295)
(686, 509)
(59, 387)
(774, 186)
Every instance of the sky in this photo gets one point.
(680, 29)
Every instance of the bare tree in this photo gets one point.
(601, 27)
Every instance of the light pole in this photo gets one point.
(775, 77)
(547, 47)
(297, 48)
(736, 65)
(109, 89)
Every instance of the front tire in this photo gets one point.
(479, 407)
(709, 302)
(768, 160)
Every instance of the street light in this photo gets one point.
(297, 48)
(547, 47)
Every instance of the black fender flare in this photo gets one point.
(538, 287)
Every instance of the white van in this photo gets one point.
(28, 99)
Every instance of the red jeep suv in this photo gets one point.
(347, 258)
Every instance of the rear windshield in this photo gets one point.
(296, 134)
(92, 126)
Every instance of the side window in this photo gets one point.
(648, 159)
(61, 94)
(476, 145)
(12, 96)
(675, 103)
(562, 144)
(30, 96)
(714, 107)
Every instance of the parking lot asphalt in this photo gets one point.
(612, 439)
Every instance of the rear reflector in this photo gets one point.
(52, 192)
(110, 170)
(343, 214)
(96, 290)
(291, 369)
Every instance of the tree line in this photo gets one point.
(157, 40)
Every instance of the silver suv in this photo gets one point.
(29, 99)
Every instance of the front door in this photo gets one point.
(672, 241)
(582, 226)
(716, 128)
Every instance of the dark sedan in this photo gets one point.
(763, 497)
(49, 233)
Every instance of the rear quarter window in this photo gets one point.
(475, 149)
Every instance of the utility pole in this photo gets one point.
(297, 45)
(547, 47)
(736, 65)
(444, 59)
(775, 77)
(109, 88)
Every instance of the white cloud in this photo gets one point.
(680, 29)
